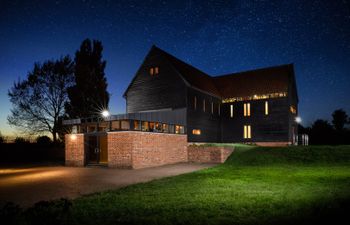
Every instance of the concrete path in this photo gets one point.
(25, 186)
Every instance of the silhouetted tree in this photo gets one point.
(89, 96)
(43, 140)
(39, 101)
(321, 132)
(340, 118)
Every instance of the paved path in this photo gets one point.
(26, 186)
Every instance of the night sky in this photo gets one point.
(218, 37)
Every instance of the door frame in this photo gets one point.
(96, 135)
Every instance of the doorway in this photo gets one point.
(96, 149)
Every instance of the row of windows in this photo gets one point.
(246, 109)
(204, 106)
(247, 132)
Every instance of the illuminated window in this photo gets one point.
(145, 126)
(154, 71)
(293, 109)
(266, 108)
(212, 107)
(196, 132)
(179, 129)
(247, 132)
(165, 128)
(137, 125)
(203, 105)
(231, 111)
(195, 102)
(246, 109)
(151, 126)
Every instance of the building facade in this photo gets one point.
(258, 106)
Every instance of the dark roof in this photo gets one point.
(195, 77)
(242, 84)
(254, 82)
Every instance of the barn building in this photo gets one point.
(169, 96)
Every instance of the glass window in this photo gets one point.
(137, 125)
(158, 127)
(151, 71)
(145, 126)
(179, 129)
(156, 70)
(247, 132)
(115, 125)
(151, 126)
(104, 126)
(125, 125)
(246, 109)
(196, 132)
(203, 105)
(212, 107)
(266, 108)
(231, 111)
(171, 128)
(165, 128)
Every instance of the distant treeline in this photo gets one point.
(322, 132)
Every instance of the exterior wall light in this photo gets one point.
(298, 119)
(73, 137)
(105, 113)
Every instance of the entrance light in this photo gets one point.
(105, 113)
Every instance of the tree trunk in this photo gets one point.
(54, 136)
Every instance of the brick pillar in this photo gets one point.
(74, 149)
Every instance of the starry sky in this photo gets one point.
(218, 37)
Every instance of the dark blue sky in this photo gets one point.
(218, 37)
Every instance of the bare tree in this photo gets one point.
(38, 102)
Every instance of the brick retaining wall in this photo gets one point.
(133, 149)
(208, 154)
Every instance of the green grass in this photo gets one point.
(255, 186)
(294, 185)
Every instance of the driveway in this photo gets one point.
(25, 186)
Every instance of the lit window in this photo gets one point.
(195, 103)
(212, 107)
(247, 132)
(246, 109)
(179, 129)
(266, 108)
(196, 132)
(145, 126)
(231, 111)
(165, 128)
(203, 105)
(293, 109)
(154, 71)
(137, 125)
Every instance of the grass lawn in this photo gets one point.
(256, 185)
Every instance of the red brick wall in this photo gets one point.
(208, 154)
(120, 145)
(133, 149)
(74, 149)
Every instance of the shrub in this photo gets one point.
(43, 140)
(21, 140)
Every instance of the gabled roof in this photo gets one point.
(242, 84)
(195, 77)
(260, 81)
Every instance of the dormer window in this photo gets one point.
(154, 71)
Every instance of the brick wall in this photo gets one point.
(208, 154)
(133, 149)
(74, 150)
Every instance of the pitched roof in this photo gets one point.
(242, 84)
(195, 77)
(254, 82)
